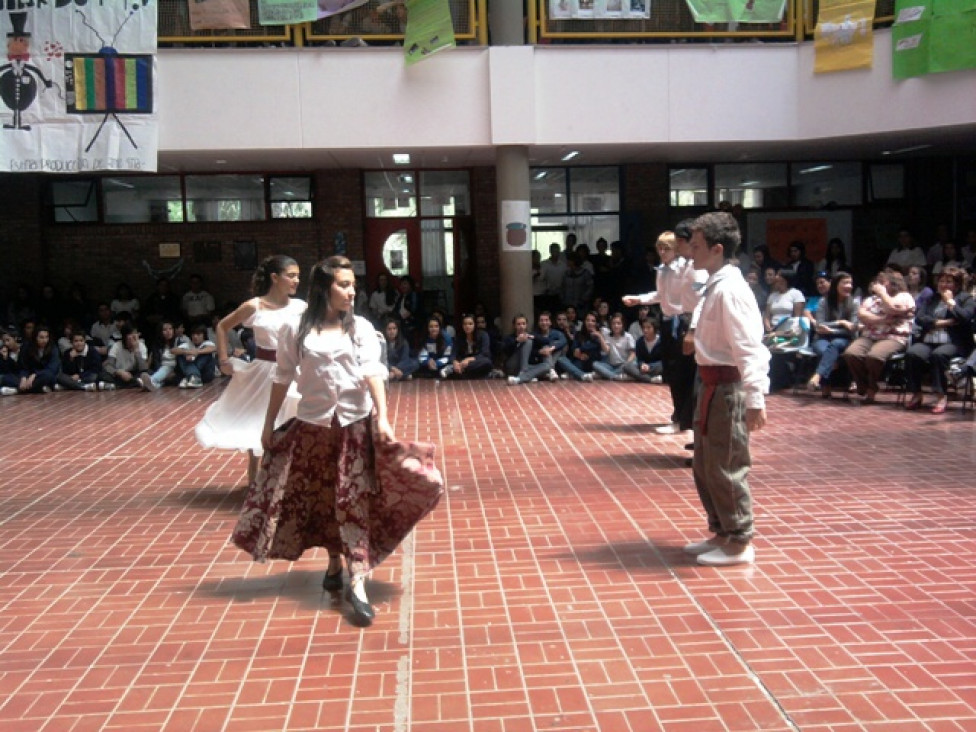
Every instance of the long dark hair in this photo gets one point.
(440, 343)
(261, 279)
(834, 305)
(35, 352)
(319, 296)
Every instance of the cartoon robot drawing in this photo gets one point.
(19, 77)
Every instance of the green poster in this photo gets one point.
(286, 12)
(953, 44)
(951, 7)
(710, 11)
(429, 29)
(757, 11)
(910, 38)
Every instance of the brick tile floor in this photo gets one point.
(548, 591)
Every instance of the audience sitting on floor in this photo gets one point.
(526, 354)
(783, 301)
(127, 360)
(472, 352)
(648, 363)
(196, 360)
(618, 349)
(80, 365)
(399, 360)
(584, 350)
(437, 352)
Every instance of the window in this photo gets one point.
(752, 185)
(825, 184)
(142, 199)
(548, 192)
(886, 182)
(391, 193)
(225, 198)
(688, 187)
(584, 201)
(291, 198)
(74, 201)
(444, 193)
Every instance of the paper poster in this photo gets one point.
(429, 29)
(219, 14)
(515, 226)
(844, 36)
(597, 9)
(78, 87)
(287, 12)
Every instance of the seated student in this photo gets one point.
(636, 328)
(886, 323)
(472, 352)
(68, 327)
(104, 330)
(617, 347)
(568, 334)
(558, 341)
(572, 317)
(585, 349)
(196, 360)
(80, 365)
(834, 324)
(163, 359)
(525, 360)
(648, 362)
(946, 325)
(821, 284)
(399, 362)
(127, 360)
(9, 363)
(445, 326)
(437, 351)
(783, 302)
(40, 363)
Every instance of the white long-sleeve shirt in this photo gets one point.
(331, 371)
(730, 332)
(676, 292)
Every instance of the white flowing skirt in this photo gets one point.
(236, 419)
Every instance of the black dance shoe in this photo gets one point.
(362, 612)
(332, 582)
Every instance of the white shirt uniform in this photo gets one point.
(730, 332)
(333, 371)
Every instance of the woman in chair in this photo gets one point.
(886, 321)
(945, 323)
(835, 325)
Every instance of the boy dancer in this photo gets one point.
(733, 365)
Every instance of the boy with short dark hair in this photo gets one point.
(80, 365)
(196, 360)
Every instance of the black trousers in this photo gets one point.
(679, 370)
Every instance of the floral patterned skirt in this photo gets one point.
(332, 487)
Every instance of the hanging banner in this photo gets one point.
(710, 11)
(219, 14)
(844, 36)
(910, 38)
(78, 88)
(757, 11)
(953, 29)
(288, 12)
(599, 9)
(429, 29)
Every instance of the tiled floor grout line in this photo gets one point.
(518, 511)
(715, 626)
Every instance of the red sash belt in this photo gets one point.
(711, 377)
(266, 354)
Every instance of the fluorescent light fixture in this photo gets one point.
(541, 174)
(678, 171)
(904, 150)
(749, 183)
(570, 155)
(220, 161)
(815, 169)
(401, 158)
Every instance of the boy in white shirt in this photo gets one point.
(196, 360)
(733, 365)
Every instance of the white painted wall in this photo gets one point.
(366, 98)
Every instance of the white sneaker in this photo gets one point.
(513, 381)
(46, 390)
(657, 379)
(703, 547)
(58, 387)
(586, 377)
(106, 386)
(194, 382)
(408, 377)
(89, 387)
(553, 376)
(184, 383)
(7, 391)
(722, 557)
(563, 376)
(444, 373)
(668, 429)
(147, 382)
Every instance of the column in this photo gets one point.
(514, 233)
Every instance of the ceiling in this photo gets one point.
(935, 142)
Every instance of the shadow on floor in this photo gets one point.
(214, 497)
